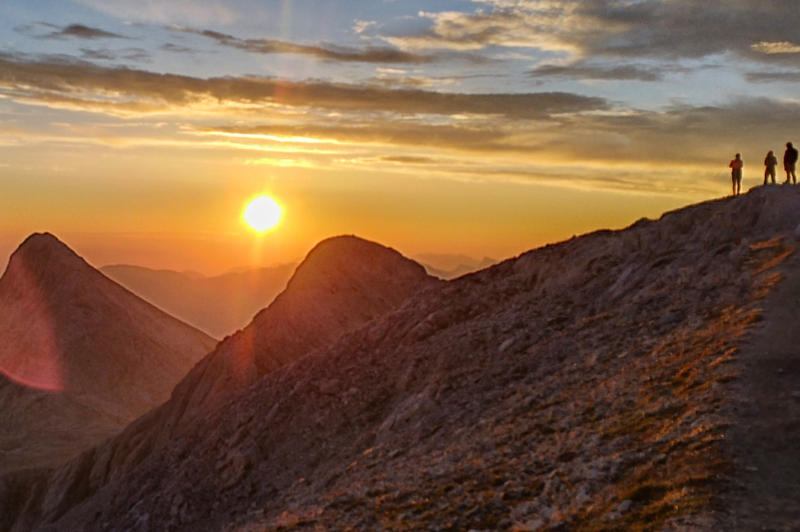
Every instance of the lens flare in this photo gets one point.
(262, 213)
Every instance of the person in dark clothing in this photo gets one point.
(770, 162)
(736, 166)
(790, 162)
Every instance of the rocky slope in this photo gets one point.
(590, 385)
(218, 305)
(343, 283)
(80, 356)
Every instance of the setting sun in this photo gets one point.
(262, 213)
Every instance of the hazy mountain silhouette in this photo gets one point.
(80, 356)
(609, 382)
(448, 267)
(218, 305)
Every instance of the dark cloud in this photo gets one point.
(177, 49)
(328, 52)
(649, 29)
(610, 73)
(67, 78)
(770, 77)
(136, 55)
(80, 31)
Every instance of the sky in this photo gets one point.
(137, 132)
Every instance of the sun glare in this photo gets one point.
(262, 213)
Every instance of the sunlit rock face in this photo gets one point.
(586, 385)
(80, 356)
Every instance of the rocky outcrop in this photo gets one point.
(344, 283)
(80, 356)
(583, 386)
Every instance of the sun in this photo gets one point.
(262, 213)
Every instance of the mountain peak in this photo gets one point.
(353, 258)
(44, 243)
(46, 258)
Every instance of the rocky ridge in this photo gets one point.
(588, 385)
(81, 356)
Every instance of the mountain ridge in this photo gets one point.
(586, 385)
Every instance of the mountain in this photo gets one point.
(217, 305)
(80, 356)
(449, 267)
(622, 381)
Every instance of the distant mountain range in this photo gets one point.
(217, 305)
(449, 267)
(220, 305)
(80, 356)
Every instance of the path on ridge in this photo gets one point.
(765, 434)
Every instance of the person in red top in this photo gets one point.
(736, 166)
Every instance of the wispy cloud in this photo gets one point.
(599, 72)
(194, 11)
(770, 77)
(136, 55)
(326, 52)
(123, 91)
(80, 31)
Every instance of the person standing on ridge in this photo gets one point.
(736, 166)
(789, 163)
(770, 162)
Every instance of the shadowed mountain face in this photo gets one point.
(217, 305)
(80, 356)
(586, 386)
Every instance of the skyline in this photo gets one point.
(137, 134)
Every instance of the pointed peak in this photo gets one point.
(43, 242)
(45, 255)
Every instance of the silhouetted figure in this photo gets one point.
(770, 163)
(790, 162)
(736, 174)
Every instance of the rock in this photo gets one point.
(528, 526)
(623, 507)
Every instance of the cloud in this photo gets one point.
(771, 77)
(188, 11)
(137, 55)
(776, 48)
(540, 136)
(80, 31)
(329, 52)
(408, 159)
(674, 30)
(75, 84)
(177, 49)
(599, 72)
